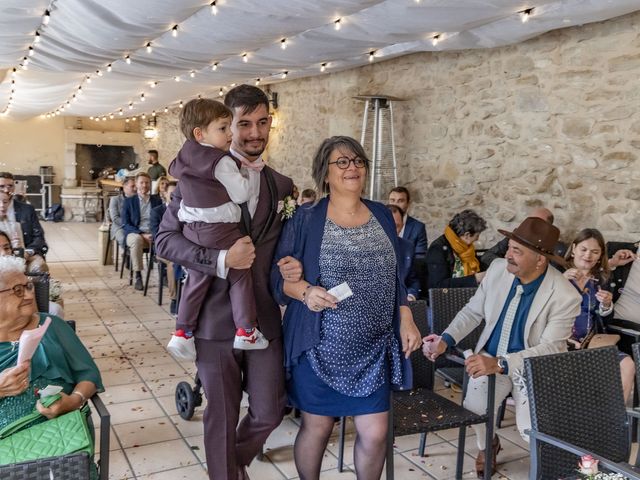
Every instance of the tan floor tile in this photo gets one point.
(515, 470)
(133, 337)
(125, 393)
(127, 328)
(135, 411)
(112, 363)
(162, 371)
(113, 440)
(144, 432)
(118, 466)
(160, 457)
(265, 470)
(92, 340)
(440, 462)
(98, 351)
(195, 472)
(119, 377)
(83, 329)
(150, 346)
(151, 359)
(197, 446)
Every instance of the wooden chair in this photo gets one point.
(577, 408)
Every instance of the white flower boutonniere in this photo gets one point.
(287, 206)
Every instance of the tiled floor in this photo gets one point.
(126, 333)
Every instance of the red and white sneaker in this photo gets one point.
(252, 339)
(182, 345)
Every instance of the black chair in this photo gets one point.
(41, 288)
(635, 348)
(577, 408)
(126, 261)
(422, 410)
(162, 272)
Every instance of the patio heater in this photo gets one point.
(378, 142)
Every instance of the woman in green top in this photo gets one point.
(60, 359)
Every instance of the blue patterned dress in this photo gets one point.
(349, 371)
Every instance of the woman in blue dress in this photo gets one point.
(343, 357)
(588, 271)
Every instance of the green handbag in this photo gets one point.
(68, 433)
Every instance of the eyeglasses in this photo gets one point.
(344, 162)
(18, 290)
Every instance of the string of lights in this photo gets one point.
(147, 48)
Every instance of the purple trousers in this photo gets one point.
(225, 373)
(220, 236)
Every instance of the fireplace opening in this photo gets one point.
(93, 160)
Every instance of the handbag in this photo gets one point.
(68, 433)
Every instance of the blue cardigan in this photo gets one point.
(301, 238)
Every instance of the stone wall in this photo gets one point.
(554, 121)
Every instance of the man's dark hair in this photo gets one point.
(309, 193)
(6, 175)
(154, 153)
(401, 190)
(395, 209)
(247, 97)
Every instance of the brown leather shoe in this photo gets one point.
(480, 458)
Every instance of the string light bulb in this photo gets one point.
(214, 67)
(99, 73)
(120, 112)
(128, 59)
(372, 55)
(166, 109)
(525, 14)
(220, 93)
(36, 38)
(177, 78)
(111, 116)
(46, 18)
(174, 31)
(257, 82)
(192, 73)
(180, 104)
(13, 71)
(109, 68)
(142, 99)
(337, 24)
(214, 8)
(79, 90)
(133, 119)
(130, 105)
(283, 44)
(143, 116)
(31, 51)
(153, 84)
(149, 48)
(245, 57)
(323, 67)
(88, 79)
(153, 114)
(284, 74)
(435, 40)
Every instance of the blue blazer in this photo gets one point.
(301, 238)
(411, 281)
(131, 213)
(416, 232)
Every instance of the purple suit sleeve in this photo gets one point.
(172, 245)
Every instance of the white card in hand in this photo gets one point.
(341, 291)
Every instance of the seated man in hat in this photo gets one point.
(529, 309)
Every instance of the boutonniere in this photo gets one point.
(287, 206)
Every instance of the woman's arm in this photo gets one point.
(409, 333)
(14, 380)
(82, 392)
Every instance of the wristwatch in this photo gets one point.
(502, 364)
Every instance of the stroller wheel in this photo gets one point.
(185, 400)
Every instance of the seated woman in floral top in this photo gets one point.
(588, 272)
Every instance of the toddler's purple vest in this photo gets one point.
(194, 166)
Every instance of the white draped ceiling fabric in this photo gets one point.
(77, 53)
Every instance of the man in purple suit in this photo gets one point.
(225, 372)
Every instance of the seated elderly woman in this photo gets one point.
(60, 360)
(451, 258)
(588, 271)
(7, 250)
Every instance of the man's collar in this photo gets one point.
(257, 164)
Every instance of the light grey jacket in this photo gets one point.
(115, 213)
(549, 323)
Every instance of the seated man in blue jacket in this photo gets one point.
(415, 232)
(411, 281)
(136, 222)
(20, 221)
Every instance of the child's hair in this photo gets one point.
(200, 113)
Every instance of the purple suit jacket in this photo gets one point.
(215, 321)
